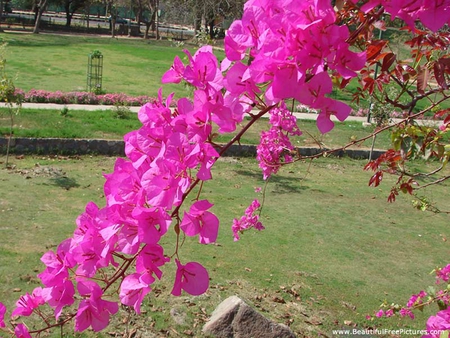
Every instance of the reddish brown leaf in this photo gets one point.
(392, 195)
(410, 70)
(374, 49)
(388, 60)
(422, 80)
(446, 63)
(375, 180)
(344, 83)
(439, 70)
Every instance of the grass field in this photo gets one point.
(333, 248)
(132, 66)
(332, 251)
(59, 62)
(107, 125)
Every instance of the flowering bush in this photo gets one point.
(279, 51)
(43, 96)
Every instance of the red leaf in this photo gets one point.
(410, 70)
(344, 83)
(391, 197)
(375, 48)
(376, 179)
(422, 80)
(441, 113)
(388, 60)
(439, 75)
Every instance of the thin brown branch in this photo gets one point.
(442, 179)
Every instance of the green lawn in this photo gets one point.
(106, 125)
(59, 62)
(332, 251)
(333, 248)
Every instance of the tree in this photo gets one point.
(204, 11)
(279, 51)
(70, 7)
(147, 11)
(39, 7)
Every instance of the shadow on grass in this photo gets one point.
(64, 182)
(279, 184)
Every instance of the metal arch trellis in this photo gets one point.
(95, 72)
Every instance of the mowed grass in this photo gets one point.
(99, 124)
(332, 251)
(60, 63)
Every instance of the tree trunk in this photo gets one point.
(113, 26)
(147, 29)
(88, 14)
(157, 19)
(68, 18)
(39, 10)
(1, 13)
(149, 24)
(211, 29)
(37, 21)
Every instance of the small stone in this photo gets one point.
(178, 316)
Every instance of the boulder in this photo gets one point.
(233, 318)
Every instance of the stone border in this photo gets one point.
(61, 146)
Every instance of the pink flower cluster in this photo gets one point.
(44, 96)
(279, 50)
(275, 147)
(443, 274)
(291, 46)
(433, 14)
(249, 220)
(415, 301)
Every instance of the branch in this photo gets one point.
(434, 182)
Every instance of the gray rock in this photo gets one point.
(233, 318)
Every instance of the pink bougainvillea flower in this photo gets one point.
(434, 14)
(175, 73)
(192, 278)
(249, 220)
(348, 62)
(406, 312)
(150, 258)
(93, 311)
(59, 295)
(237, 41)
(416, 299)
(134, 288)
(443, 274)
(199, 221)
(380, 313)
(152, 224)
(27, 303)
(330, 107)
(2, 314)
(21, 331)
(438, 324)
(55, 271)
(165, 184)
(203, 71)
